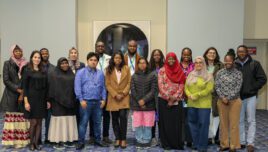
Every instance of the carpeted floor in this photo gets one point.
(261, 140)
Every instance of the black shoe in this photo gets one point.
(107, 140)
(232, 150)
(31, 147)
(80, 146)
(38, 147)
(47, 142)
(189, 144)
(224, 149)
(117, 144)
(210, 142)
(243, 146)
(59, 146)
(101, 144)
(217, 142)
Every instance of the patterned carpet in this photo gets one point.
(261, 140)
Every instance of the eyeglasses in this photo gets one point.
(198, 62)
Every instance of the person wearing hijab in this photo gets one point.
(62, 126)
(73, 60)
(171, 85)
(198, 89)
(75, 65)
(15, 131)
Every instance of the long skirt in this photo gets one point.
(63, 129)
(170, 125)
(16, 130)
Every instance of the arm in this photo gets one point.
(109, 86)
(186, 90)
(150, 95)
(9, 84)
(78, 86)
(104, 91)
(127, 88)
(179, 92)
(162, 86)
(260, 76)
(207, 90)
(133, 89)
(218, 86)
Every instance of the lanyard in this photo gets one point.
(101, 62)
(131, 62)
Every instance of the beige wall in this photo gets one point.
(118, 10)
(256, 22)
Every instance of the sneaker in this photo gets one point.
(154, 142)
(250, 148)
(80, 146)
(69, 145)
(107, 140)
(59, 146)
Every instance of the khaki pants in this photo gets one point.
(229, 123)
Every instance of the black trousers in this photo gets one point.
(170, 125)
(119, 121)
(105, 124)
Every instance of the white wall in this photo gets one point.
(34, 24)
(199, 24)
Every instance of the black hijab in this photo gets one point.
(61, 85)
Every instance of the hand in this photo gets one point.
(192, 97)
(141, 102)
(119, 97)
(48, 105)
(27, 107)
(170, 103)
(83, 104)
(19, 91)
(225, 101)
(20, 99)
(102, 104)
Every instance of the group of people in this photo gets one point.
(177, 96)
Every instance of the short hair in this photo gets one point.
(44, 49)
(92, 54)
(243, 46)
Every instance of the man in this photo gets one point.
(102, 64)
(254, 79)
(48, 67)
(91, 92)
(131, 57)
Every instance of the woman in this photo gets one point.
(12, 99)
(75, 65)
(73, 60)
(63, 126)
(227, 85)
(214, 64)
(187, 67)
(118, 85)
(35, 97)
(143, 86)
(156, 62)
(170, 84)
(198, 89)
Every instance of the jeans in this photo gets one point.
(105, 124)
(198, 119)
(92, 110)
(248, 109)
(143, 134)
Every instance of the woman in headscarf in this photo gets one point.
(73, 60)
(198, 89)
(63, 126)
(15, 131)
(170, 84)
